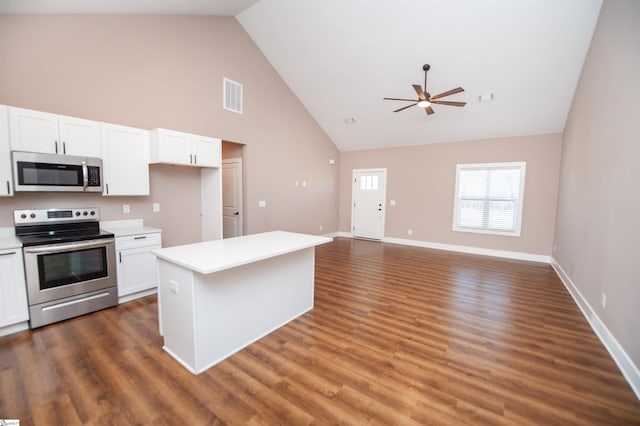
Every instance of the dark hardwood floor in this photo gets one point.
(399, 335)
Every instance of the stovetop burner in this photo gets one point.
(54, 226)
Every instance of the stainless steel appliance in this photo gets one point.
(69, 263)
(34, 171)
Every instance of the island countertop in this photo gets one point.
(213, 256)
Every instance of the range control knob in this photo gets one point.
(84, 213)
(32, 215)
(77, 213)
(93, 213)
(23, 216)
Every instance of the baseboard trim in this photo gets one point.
(14, 328)
(629, 370)
(462, 249)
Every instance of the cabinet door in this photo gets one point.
(125, 160)
(207, 151)
(171, 147)
(33, 131)
(13, 292)
(6, 180)
(137, 270)
(79, 137)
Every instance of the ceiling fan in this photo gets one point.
(425, 100)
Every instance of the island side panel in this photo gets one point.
(175, 288)
(238, 306)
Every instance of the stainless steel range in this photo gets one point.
(69, 263)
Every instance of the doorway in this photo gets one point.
(232, 211)
(369, 191)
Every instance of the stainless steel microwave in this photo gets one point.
(37, 172)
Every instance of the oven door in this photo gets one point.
(56, 271)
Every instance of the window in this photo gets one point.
(489, 198)
(369, 183)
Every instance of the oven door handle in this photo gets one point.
(67, 247)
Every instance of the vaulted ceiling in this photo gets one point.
(342, 57)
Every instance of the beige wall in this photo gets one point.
(166, 71)
(422, 181)
(598, 226)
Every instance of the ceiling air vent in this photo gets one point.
(232, 96)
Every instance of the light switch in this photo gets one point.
(126, 209)
(173, 287)
(156, 207)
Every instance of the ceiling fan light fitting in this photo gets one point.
(424, 104)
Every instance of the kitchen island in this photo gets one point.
(217, 297)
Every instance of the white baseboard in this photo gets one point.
(462, 249)
(332, 234)
(138, 295)
(14, 328)
(629, 370)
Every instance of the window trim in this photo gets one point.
(522, 165)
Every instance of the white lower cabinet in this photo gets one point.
(137, 269)
(13, 291)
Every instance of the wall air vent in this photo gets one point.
(232, 96)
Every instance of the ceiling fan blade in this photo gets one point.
(398, 99)
(408, 106)
(447, 93)
(429, 110)
(450, 103)
(420, 92)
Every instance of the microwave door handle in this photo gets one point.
(85, 174)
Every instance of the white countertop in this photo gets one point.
(212, 256)
(8, 239)
(125, 228)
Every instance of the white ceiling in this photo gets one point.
(341, 57)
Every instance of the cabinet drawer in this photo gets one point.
(140, 240)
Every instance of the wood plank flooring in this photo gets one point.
(398, 335)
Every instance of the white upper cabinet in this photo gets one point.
(6, 180)
(36, 131)
(207, 151)
(125, 160)
(172, 147)
(80, 137)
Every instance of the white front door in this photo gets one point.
(368, 203)
(232, 198)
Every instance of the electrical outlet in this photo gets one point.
(409, 231)
(126, 209)
(392, 202)
(262, 203)
(156, 207)
(603, 300)
(554, 248)
(321, 227)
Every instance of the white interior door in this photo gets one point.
(232, 198)
(368, 203)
